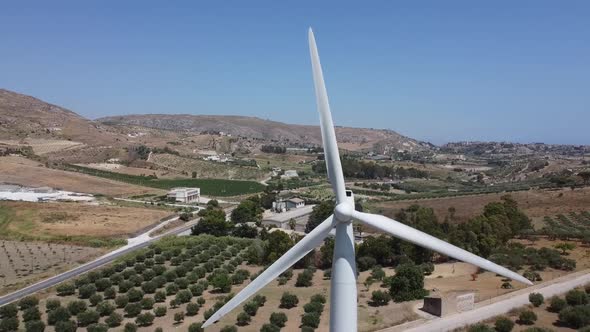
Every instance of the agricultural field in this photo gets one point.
(45, 146)
(22, 263)
(209, 187)
(74, 223)
(28, 173)
(535, 203)
(565, 226)
(207, 169)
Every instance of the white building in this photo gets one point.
(289, 204)
(184, 195)
(289, 174)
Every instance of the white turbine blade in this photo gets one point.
(298, 251)
(328, 135)
(422, 239)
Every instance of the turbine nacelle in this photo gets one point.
(343, 211)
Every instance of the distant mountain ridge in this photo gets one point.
(273, 131)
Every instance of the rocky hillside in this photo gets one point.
(23, 116)
(271, 131)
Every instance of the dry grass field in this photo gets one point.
(23, 263)
(45, 146)
(56, 220)
(22, 171)
(535, 203)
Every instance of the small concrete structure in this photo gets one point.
(184, 195)
(442, 305)
(295, 203)
(289, 174)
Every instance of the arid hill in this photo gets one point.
(270, 131)
(23, 116)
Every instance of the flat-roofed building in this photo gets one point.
(184, 195)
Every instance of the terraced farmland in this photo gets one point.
(565, 226)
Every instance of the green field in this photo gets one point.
(211, 187)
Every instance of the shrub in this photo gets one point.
(536, 299)
(288, 301)
(201, 301)
(147, 303)
(260, 299)
(102, 284)
(480, 328)
(144, 319)
(318, 298)
(9, 324)
(278, 318)
(51, 304)
(171, 289)
(179, 316)
(59, 314)
(31, 313)
(196, 327)
(105, 308)
(380, 298)
(87, 317)
(66, 326)
(556, 304)
(160, 310)
(34, 326)
(504, 324)
(132, 309)
(149, 287)
(97, 327)
(311, 319)
(229, 328)
(121, 301)
(576, 297)
(86, 291)
(95, 299)
(575, 317)
(28, 302)
(130, 327)
(114, 319)
(366, 262)
(192, 309)
(160, 296)
(270, 328)
(527, 317)
(77, 306)
(243, 318)
(196, 290)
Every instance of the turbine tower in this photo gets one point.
(343, 295)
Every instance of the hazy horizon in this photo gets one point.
(436, 72)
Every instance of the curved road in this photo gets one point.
(141, 241)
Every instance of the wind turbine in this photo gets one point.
(343, 301)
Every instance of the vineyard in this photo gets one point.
(570, 226)
(212, 187)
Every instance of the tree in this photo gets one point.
(31, 313)
(160, 310)
(565, 247)
(135, 295)
(527, 317)
(34, 326)
(66, 289)
(245, 231)
(196, 327)
(251, 308)
(50, 304)
(85, 291)
(288, 300)
(556, 304)
(121, 301)
(97, 327)
(178, 317)
(585, 175)
(9, 324)
(144, 319)
(407, 283)
(576, 297)
(87, 317)
(59, 314)
(192, 309)
(576, 316)
(184, 296)
(380, 298)
(247, 211)
(130, 327)
(229, 328)
(270, 328)
(222, 282)
(212, 222)
(278, 243)
(8, 311)
(132, 309)
(95, 299)
(311, 319)
(318, 214)
(28, 302)
(77, 306)
(480, 328)
(536, 299)
(243, 319)
(304, 279)
(105, 308)
(278, 319)
(66, 326)
(313, 307)
(503, 324)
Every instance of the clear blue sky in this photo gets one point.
(433, 70)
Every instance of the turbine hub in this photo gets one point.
(343, 212)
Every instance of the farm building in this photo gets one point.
(453, 302)
(286, 205)
(184, 195)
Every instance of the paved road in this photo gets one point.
(500, 305)
(138, 242)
